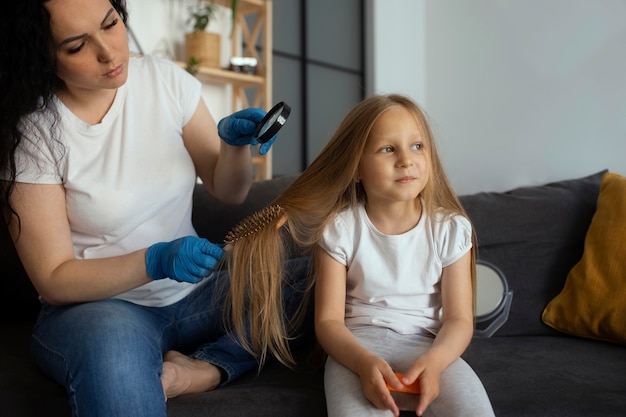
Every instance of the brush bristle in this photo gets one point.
(253, 223)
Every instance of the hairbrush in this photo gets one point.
(253, 223)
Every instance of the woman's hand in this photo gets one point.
(238, 129)
(188, 259)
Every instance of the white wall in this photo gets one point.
(395, 41)
(159, 27)
(519, 92)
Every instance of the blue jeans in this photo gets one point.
(109, 354)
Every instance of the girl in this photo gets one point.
(394, 267)
(99, 155)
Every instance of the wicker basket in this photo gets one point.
(204, 47)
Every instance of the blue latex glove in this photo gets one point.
(265, 147)
(238, 129)
(186, 259)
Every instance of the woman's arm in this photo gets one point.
(225, 170)
(44, 245)
(338, 341)
(455, 333)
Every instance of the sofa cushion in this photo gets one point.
(534, 235)
(593, 301)
(551, 376)
(24, 391)
(16, 283)
(277, 391)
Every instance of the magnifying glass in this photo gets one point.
(272, 122)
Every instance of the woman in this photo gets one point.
(99, 155)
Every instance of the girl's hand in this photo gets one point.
(427, 375)
(375, 373)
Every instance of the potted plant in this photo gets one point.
(202, 47)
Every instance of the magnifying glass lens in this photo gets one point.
(272, 122)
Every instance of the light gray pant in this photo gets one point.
(461, 392)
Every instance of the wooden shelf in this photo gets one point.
(252, 27)
(244, 6)
(224, 76)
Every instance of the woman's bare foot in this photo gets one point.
(185, 375)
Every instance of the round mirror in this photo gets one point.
(493, 299)
(489, 290)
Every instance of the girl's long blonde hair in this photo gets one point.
(326, 187)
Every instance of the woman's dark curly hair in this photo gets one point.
(28, 79)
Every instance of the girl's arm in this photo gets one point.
(225, 170)
(44, 245)
(454, 335)
(338, 341)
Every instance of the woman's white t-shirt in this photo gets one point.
(129, 179)
(394, 281)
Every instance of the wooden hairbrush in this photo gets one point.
(253, 223)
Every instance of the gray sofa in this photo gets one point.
(534, 235)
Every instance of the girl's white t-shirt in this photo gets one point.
(129, 179)
(394, 281)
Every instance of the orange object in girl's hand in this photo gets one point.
(413, 388)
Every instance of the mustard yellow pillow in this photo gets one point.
(592, 303)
